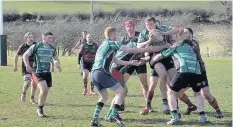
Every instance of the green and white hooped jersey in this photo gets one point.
(186, 57)
(105, 53)
(43, 54)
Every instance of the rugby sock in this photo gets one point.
(186, 100)
(98, 108)
(109, 112)
(32, 97)
(214, 104)
(85, 83)
(165, 102)
(40, 107)
(115, 108)
(174, 113)
(202, 113)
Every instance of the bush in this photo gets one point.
(198, 15)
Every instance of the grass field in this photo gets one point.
(84, 6)
(68, 108)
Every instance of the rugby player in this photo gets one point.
(88, 50)
(102, 78)
(29, 40)
(188, 34)
(43, 53)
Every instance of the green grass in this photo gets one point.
(68, 108)
(84, 6)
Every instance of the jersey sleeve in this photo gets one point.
(165, 28)
(19, 51)
(115, 45)
(31, 49)
(141, 38)
(168, 52)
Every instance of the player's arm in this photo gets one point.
(172, 31)
(56, 61)
(121, 62)
(77, 45)
(80, 54)
(163, 54)
(142, 43)
(141, 50)
(16, 57)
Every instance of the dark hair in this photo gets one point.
(148, 19)
(190, 30)
(47, 33)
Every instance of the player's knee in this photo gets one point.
(170, 92)
(27, 82)
(207, 96)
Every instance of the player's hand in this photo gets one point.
(15, 68)
(134, 62)
(151, 38)
(29, 69)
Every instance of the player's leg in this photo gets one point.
(176, 85)
(42, 97)
(212, 101)
(96, 80)
(153, 83)
(142, 74)
(85, 77)
(205, 91)
(195, 82)
(118, 100)
(33, 92)
(27, 81)
(98, 107)
(162, 73)
(191, 107)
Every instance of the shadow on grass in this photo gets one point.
(3, 118)
(68, 117)
(68, 105)
(212, 114)
(164, 121)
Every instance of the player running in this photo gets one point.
(29, 40)
(188, 75)
(102, 78)
(162, 69)
(88, 51)
(81, 41)
(43, 53)
(188, 34)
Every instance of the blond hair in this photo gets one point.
(108, 31)
(26, 35)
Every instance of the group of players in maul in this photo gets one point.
(176, 64)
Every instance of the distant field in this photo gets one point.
(84, 6)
